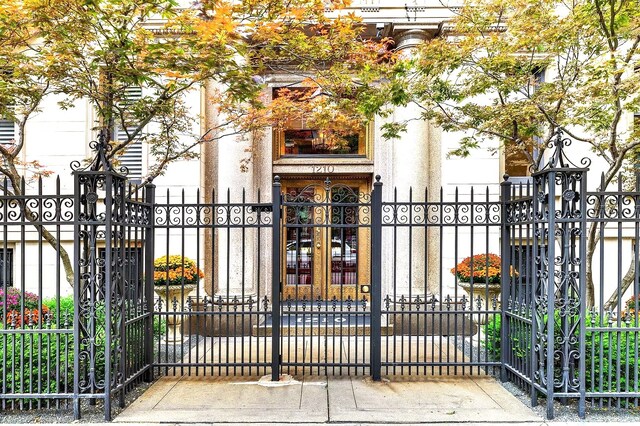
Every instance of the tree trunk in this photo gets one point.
(53, 241)
(591, 248)
(628, 278)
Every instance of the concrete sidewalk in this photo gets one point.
(454, 399)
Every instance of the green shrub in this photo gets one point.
(42, 362)
(612, 357)
(36, 362)
(492, 337)
(520, 339)
(66, 304)
(159, 327)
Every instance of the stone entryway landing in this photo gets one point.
(308, 398)
(327, 399)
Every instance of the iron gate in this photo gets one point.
(324, 279)
(325, 283)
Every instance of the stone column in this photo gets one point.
(235, 246)
(230, 252)
(262, 161)
(209, 178)
(416, 165)
(433, 185)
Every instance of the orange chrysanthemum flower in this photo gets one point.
(485, 268)
(175, 270)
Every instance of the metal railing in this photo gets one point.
(36, 313)
(320, 279)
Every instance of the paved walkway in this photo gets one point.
(311, 398)
(327, 399)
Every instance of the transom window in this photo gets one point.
(298, 137)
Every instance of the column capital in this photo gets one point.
(409, 39)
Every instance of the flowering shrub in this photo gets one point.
(175, 270)
(486, 268)
(14, 300)
(30, 317)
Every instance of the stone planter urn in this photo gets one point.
(174, 277)
(173, 300)
(480, 292)
(485, 269)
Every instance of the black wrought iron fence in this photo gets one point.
(36, 301)
(612, 281)
(212, 278)
(441, 281)
(539, 282)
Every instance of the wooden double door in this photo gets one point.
(326, 240)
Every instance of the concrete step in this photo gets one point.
(322, 323)
(345, 306)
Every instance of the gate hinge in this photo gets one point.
(281, 289)
(280, 358)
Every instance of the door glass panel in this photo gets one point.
(344, 238)
(299, 238)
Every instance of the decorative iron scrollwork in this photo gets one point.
(102, 159)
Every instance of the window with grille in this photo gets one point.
(132, 157)
(7, 137)
(6, 267)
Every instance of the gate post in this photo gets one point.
(276, 286)
(376, 280)
(149, 254)
(99, 196)
(78, 239)
(550, 283)
(582, 282)
(505, 276)
(558, 293)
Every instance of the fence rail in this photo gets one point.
(536, 282)
(36, 313)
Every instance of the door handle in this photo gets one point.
(318, 245)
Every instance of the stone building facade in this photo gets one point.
(417, 160)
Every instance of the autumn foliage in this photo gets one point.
(175, 270)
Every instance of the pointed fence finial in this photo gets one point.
(101, 160)
(559, 158)
(102, 148)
